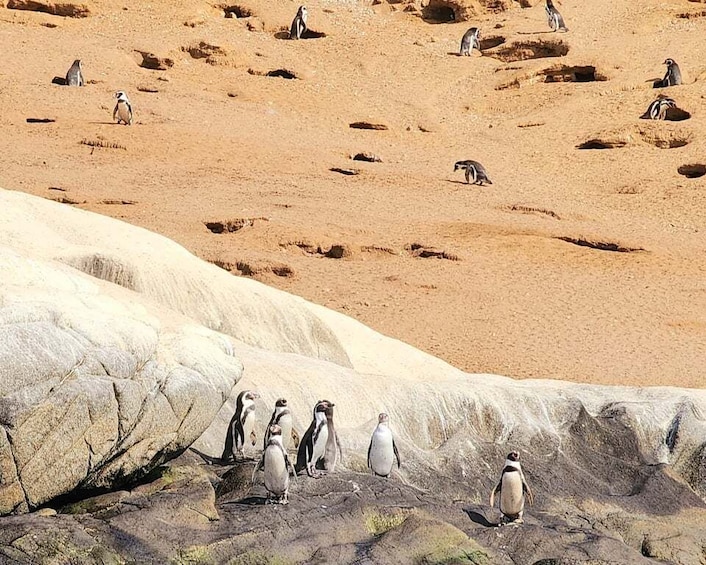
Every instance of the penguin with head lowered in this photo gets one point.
(74, 76)
(513, 490)
(474, 170)
(276, 465)
(282, 417)
(242, 426)
(470, 40)
(312, 448)
(554, 19)
(382, 450)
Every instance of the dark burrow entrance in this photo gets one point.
(438, 13)
(586, 73)
(236, 11)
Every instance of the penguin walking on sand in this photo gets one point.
(673, 75)
(242, 426)
(554, 19)
(282, 417)
(313, 445)
(382, 450)
(276, 465)
(474, 170)
(333, 444)
(123, 109)
(299, 23)
(657, 110)
(470, 40)
(513, 490)
(74, 76)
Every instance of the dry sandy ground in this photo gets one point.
(220, 142)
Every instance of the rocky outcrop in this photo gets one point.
(66, 9)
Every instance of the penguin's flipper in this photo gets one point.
(295, 438)
(397, 453)
(528, 493)
(370, 447)
(230, 440)
(253, 437)
(115, 112)
(288, 465)
(492, 494)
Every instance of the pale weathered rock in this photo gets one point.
(67, 9)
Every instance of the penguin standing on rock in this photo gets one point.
(282, 417)
(673, 75)
(470, 40)
(74, 76)
(313, 445)
(474, 170)
(554, 19)
(242, 425)
(513, 490)
(333, 445)
(382, 450)
(123, 109)
(299, 23)
(276, 465)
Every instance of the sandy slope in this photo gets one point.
(219, 143)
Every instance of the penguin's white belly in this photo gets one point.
(381, 452)
(276, 472)
(512, 500)
(248, 427)
(285, 422)
(319, 448)
(124, 112)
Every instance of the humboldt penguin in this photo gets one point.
(513, 490)
(276, 465)
(299, 24)
(313, 445)
(74, 76)
(382, 450)
(241, 426)
(333, 444)
(470, 40)
(123, 109)
(282, 417)
(657, 110)
(556, 22)
(673, 75)
(474, 170)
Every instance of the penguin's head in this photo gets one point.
(321, 407)
(513, 456)
(281, 403)
(458, 166)
(251, 395)
(77, 62)
(302, 10)
(383, 418)
(120, 95)
(669, 62)
(275, 430)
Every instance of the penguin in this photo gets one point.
(241, 426)
(313, 444)
(513, 490)
(382, 450)
(673, 75)
(276, 465)
(333, 445)
(282, 417)
(474, 170)
(298, 24)
(74, 76)
(658, 109)
(556, 22)
(470, 40)
(123, 110)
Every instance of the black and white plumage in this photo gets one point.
(74, 76)
(242, 426)
(474, 170)
(382, 450)
(554, 19)
(333, 444)
(673, 75)
(123, 109)
(312, 448)
(658, 109)
(276, 465)
(513, 490)
(282, 417)
(299, 23)
(470, 40)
